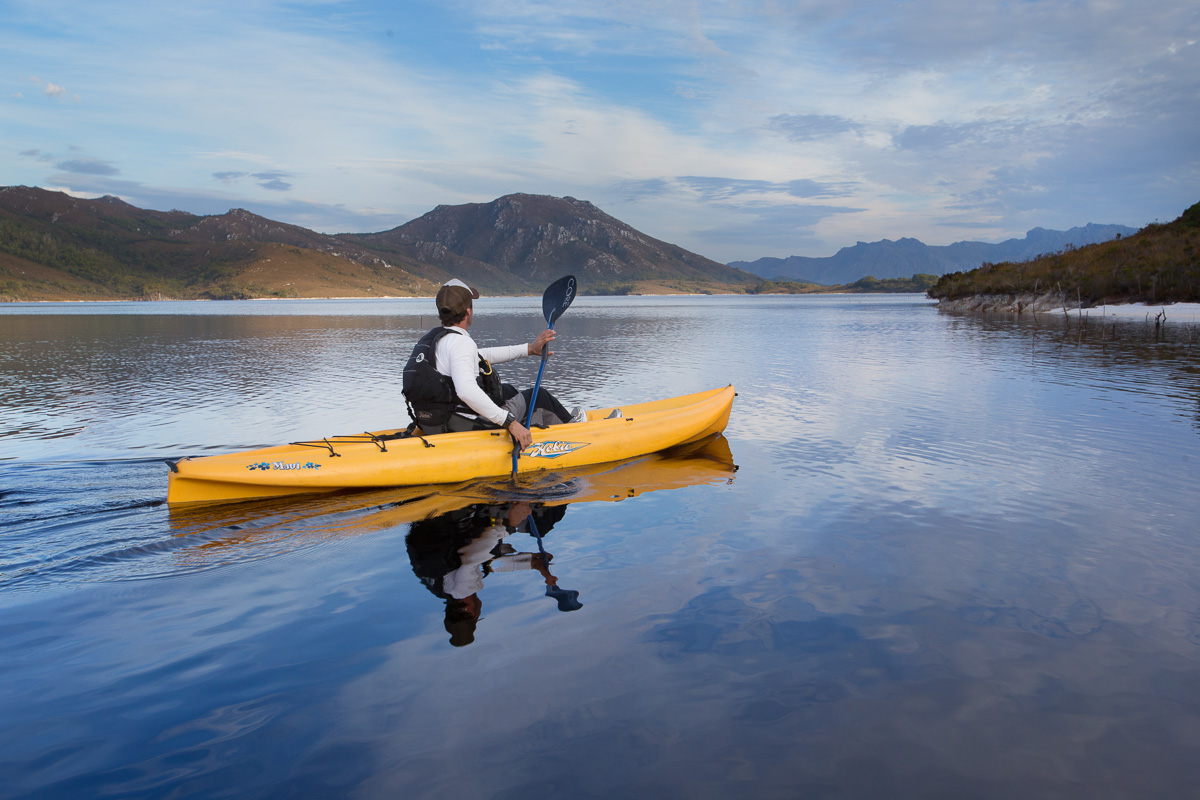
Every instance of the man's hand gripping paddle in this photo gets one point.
(555, 300)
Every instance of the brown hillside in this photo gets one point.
(537, 238)
(284, 271)
(54, 246)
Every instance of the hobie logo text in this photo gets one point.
(552, 449)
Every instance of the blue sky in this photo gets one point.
(734, 129)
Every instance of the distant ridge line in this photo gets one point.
(906, 257)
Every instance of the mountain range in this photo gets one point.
(54, 246)
(907, 257)
(57, 247)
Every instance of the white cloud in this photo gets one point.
(925, 115)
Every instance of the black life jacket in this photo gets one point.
(430, 394)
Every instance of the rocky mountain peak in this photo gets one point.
(541, 237)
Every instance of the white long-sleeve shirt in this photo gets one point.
(468, 578)
(458, 357)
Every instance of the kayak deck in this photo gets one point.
(383, 459)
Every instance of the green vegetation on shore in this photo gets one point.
(915, 284)
(613, 288)
(921, 282)
(1158, 264)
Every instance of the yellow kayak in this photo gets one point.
(382, 459)
(334, 514)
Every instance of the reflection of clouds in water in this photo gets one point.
(966, 417)
(912, 623)
(1045, 577)
(913, 646)
(958, 559)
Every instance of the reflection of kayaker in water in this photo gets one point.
(450, 384)
(453, 553)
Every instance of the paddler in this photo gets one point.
(450, 384)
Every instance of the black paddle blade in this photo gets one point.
(568, 599)
(557, 298)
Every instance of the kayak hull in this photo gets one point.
(374, 460)
(350, 512)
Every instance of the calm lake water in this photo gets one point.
(959, 557)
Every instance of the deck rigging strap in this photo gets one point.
(323, 443)
(360, 438)
(352, 439)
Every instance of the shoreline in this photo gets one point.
(1053, 303)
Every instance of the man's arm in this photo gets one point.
(498, 355)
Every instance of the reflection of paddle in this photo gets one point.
(555, 300)
(568, 599)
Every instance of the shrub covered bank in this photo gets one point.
(1158, 264)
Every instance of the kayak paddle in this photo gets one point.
(567, 599)
(555, 300)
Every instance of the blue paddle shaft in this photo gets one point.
(537, 384)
